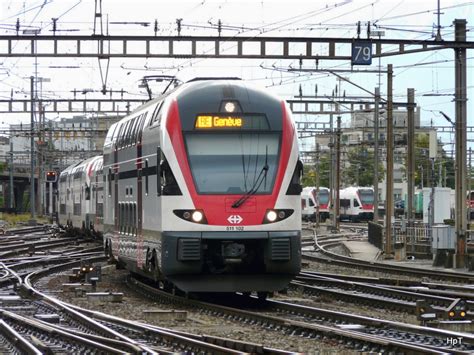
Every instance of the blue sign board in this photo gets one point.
(361, 52)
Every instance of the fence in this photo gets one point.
(416, 237)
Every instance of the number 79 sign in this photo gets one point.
(361, 53)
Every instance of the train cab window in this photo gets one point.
(295, 186)
(168, 181)
(356, 204)
(310, 202)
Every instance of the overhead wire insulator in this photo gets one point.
(219, 27)
(178, 23)
(54, 25)
(156, 27)
(17, 26)
(368, 30)
(358, 29)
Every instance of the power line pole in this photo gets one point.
(317, 185)
(376, 154)
(32, 149)
(390, 148)
(332, 184)
(12, 193)
(410, 153)
(338, 170)
(461, 140)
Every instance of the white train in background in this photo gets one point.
(315, 201)
(356, 203)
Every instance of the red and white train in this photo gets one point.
(356, 203)
(315, 201)
(199, 188)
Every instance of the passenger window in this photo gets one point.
(133, 139)
(158, 171)
(88, 193)
(119, 136)
(146, 177)
(345, 203)
(155, 120)
(110, 182)
(140, 128)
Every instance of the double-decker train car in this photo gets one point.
(202, 189)
(80, 195)
(356, 203)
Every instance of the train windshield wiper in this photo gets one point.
(253, 190)
(262, 176)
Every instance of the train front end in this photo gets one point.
(237, 227)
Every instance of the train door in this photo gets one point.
(345, 208)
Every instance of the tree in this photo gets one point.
(359, 168)
(309, 172)
(423, 165)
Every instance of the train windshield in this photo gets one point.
(366, 197)
(323, 196)
(230, 163)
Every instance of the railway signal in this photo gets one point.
(51, 176)
(457, 310)
(424, 311)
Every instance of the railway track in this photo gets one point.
(36, 322)
(321, 245)
(355, 332)
(375, 295)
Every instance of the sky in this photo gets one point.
(431, 73)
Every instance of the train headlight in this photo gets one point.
(197, 216)
(229, 106)
(271, 216)
(194, 216)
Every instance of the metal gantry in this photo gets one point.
(300, 48)
(230, 47)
